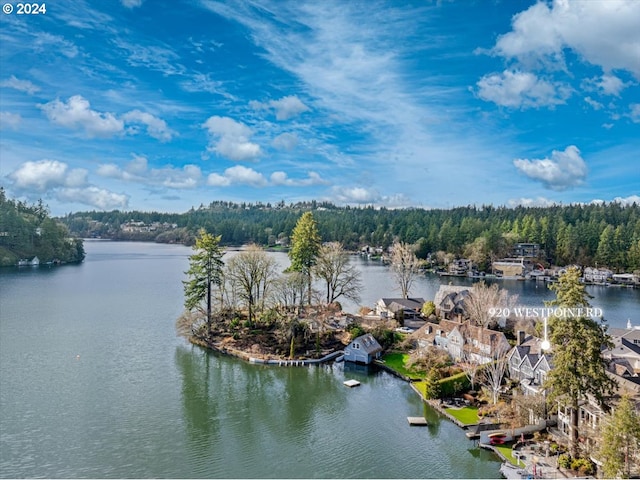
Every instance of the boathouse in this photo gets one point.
(364, 349)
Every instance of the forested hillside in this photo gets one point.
(606, 234)
(27, 231)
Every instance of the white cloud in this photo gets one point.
(281, 178)
(76, 113)
(94, 197)
(137, 170)
(516, 89)
(156, 127)
(238, 175)
(285, 141)
(46, 42)
(21, 85)
(562, 171)
(603, 33)
(230, 139)
(531, 202)
(131, 3)
(594, 103)
(355, 195)
(631, 199)
(45, 175)
(634, 113)
(611, 85)
(288, 107)
(11, 120)
(200, 82)
(155, 57)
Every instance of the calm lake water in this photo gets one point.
(94, 383)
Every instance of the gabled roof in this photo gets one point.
(410, 303)
(368, 343)
(445, 290)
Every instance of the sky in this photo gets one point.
(158, 105)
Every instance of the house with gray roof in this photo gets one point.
(399, 308)
(363, 349)
(529, 364)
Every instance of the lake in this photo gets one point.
(95, 383)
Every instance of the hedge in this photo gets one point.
(447, 386)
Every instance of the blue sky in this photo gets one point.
(153, 105)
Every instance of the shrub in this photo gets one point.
(564, 460)
(451, 385)
(583, 466)
(356, 330)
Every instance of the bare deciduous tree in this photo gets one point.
(341, 278)
(404, 265)
(251, 272)
(485, 302)
(493, 373)
(470, 367)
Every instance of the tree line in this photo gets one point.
(27, 231)
(607, 234)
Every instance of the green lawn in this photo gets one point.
(466, 415)
(397, 362)
(507, 453)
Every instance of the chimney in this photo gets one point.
(521, 336)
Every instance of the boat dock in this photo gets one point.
(417, 421)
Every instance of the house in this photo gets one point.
(529, 364)
(626, 346)
(364, 349)
(463, 341)
(449, 301)
(527, 250)
(626, 279)
(597, 275)
(460, 266)
(512, 267)
(399, 308)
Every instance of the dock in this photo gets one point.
(418, 421)
(351, 383)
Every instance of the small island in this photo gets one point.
(30, 237)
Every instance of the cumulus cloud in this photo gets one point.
(45, 175)
(21, 85)
(288, 107)
(630, 200)
(94, 197)
(355, 195)
(562, 171)
(531, 202)
(11, 120)
(601, 33)
(285, 141)
(238, 175)
(156, 127)
(137, 170)
(517, 89)
(281, 178)
(76, 113)
(230, 139)
(285, 108)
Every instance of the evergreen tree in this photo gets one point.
(205, 271)
(305, 246)
(578, 369)
(620, 440)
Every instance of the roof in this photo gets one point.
(445, 290)
(369, 344)
(410, 303)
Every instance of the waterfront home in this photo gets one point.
(626, 279)
(626, 349)
(449, 301)
(463, 341)
(34, 262)
(363, 349)
(399, 308)
(512, 267)
(529, 364)
(597, 275)
(527, 250)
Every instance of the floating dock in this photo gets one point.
(351, 383)
(418, 421)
